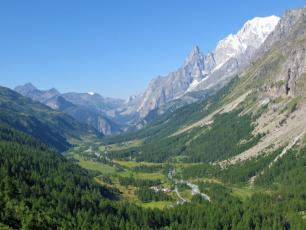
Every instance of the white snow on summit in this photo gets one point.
(253, 33)
(201, 71)
(243, 44)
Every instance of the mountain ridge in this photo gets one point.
(201, 71)
(52, 127)
(268, 96)
(87, 108)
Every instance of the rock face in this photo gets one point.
(284, 29)
(164, 89)
(203, 71)
(94, 101)
(277, 78)
(87, 108)
(283, 57)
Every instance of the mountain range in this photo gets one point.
(87, 108)
(266, 99)
(220, 143)
(263, 90)
(54, 128)
(204, 73)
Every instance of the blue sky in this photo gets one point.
(113, 47)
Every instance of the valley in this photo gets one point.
(168, 177)
(219, 143)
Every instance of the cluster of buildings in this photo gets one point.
(159, 188)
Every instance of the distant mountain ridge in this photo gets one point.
(29, 90)
(200, 74)
(87, 108)
(54, 128)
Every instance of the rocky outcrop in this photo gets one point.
(163, 89)
(282, 58)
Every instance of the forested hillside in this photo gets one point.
(226, 134)
(234, 159)
(42, 190)
(53, 128)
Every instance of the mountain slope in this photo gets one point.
(94, 101)
(54, 128)
(29, 90)
(84, 115)
(268, 98)
(239, 132)
(40, 189)
(87, 108)
(277, 80)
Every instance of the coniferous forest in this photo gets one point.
(40, 189)
(219, 143)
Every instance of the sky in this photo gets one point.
(113, 47)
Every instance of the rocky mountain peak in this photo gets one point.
(194, 57)
(28, 87)
(53, 91)
(29, 90)
(195, 63)
(200, 71)
(194, 52)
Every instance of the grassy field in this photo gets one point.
(207, 180)
(244, 192)
(145, 176)
(85, 160)
(131, 164)
(156, 204)
(96, 166)
(122, 146)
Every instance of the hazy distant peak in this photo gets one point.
(26, 87)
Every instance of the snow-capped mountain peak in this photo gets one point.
(250, 36)
(202, 71)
